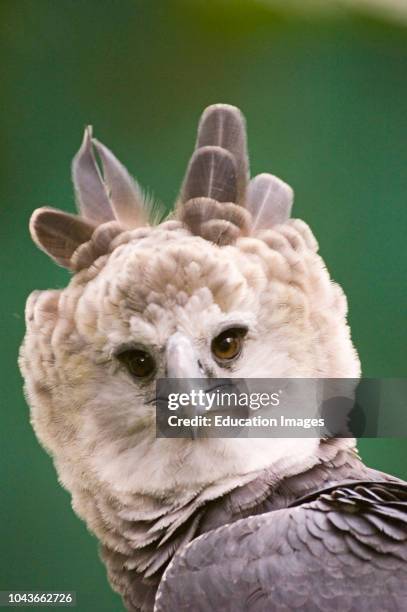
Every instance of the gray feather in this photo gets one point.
(91, 195)
(153, 529)
(59, 234)
(211, 173)
(125, 194)
(298, 558)
(269, 200)
(224, 126)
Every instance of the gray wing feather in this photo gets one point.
(300, 558)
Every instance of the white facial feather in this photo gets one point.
(94, 417)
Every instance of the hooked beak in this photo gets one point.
(182, 359)
(183, 362)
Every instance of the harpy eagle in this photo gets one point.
(227, 286)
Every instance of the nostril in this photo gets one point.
(200, 366)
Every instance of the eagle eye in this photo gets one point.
(139, 363)
(228, 344)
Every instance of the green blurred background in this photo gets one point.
(325, 100)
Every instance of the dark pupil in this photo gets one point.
(225, 344)
(139, 363)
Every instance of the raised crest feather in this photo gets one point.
(59, 234)
(212, 174)
(91, 194)
(217, 201)
(269, 200)
(224, 126)
(125, 195)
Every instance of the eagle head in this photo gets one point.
(229, 285)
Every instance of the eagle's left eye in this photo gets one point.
(228, 345)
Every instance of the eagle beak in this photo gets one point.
(182, 358)
(183, 362)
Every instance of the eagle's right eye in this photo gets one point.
(139, 363)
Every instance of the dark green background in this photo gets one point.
(325, 102)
